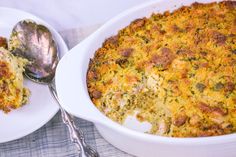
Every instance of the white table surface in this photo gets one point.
(69, 14)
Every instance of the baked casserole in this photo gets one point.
(12, 92)
(175, 70)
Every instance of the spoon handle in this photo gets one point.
(76, 134)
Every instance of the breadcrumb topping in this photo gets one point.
(177, 70)
(12, 92)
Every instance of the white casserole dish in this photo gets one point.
(73, 94)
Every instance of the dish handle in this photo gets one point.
(71, 85)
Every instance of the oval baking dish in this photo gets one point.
(73, 94)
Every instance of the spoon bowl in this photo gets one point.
(35, 43)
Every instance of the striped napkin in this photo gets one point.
(52, 140)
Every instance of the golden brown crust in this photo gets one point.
(174, 70)
(12, 93)
(3, 42)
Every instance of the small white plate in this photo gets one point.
(41, 107)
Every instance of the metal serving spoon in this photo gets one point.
(35, 43)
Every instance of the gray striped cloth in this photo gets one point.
(52, 140)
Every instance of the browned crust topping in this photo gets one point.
(12, 92)
(3, 42)
(174, 70)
